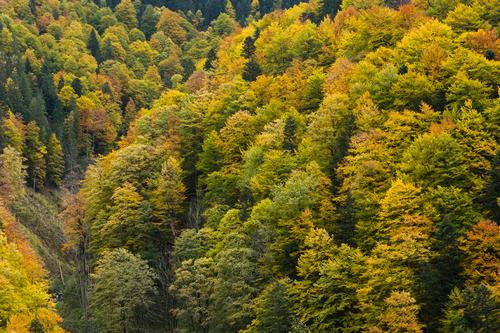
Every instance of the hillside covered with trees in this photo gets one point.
(252, 166)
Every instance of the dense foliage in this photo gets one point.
(256, 166)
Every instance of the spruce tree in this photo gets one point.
(248, 47)
(211, 57)
(93, 45)
(55, 161)
(77, 86)
(34, 153)
(251, 70)
(148, 21)
(289, 142)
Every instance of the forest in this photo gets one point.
(249, 166)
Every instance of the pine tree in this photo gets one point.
(70, 139)
(55, 161)
(50, 100)
(255, 9)
(329, 7)
(34, 153)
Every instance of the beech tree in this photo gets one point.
(121, 293)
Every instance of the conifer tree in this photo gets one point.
(12, 173)
(149, 19)
(473, 309)
(248, 47)
(290, 132)
(230, 9)
(76, 84)
(12, 131)
(251, 70)
(93, 45)
(34, 153)
(210, 60)
(130, 113)
(55, 161)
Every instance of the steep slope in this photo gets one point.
(325, 168)
(332, 175)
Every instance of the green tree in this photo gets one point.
(473, 309)
(12, 131)
(121, 293)
(76, 84)
(34, 153)
(210, 60)
(248, 47)
(12, 173)
(127, 225)
(251, 70)
(273, 309)
(126, 14)
(224, 25)
(130, 113)
(435, 159)
(168, 197)
(93, 45)
(326, 293)
(149, 20)
(193, 289)
(290, 133)
(234, 288)
(55, 161)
